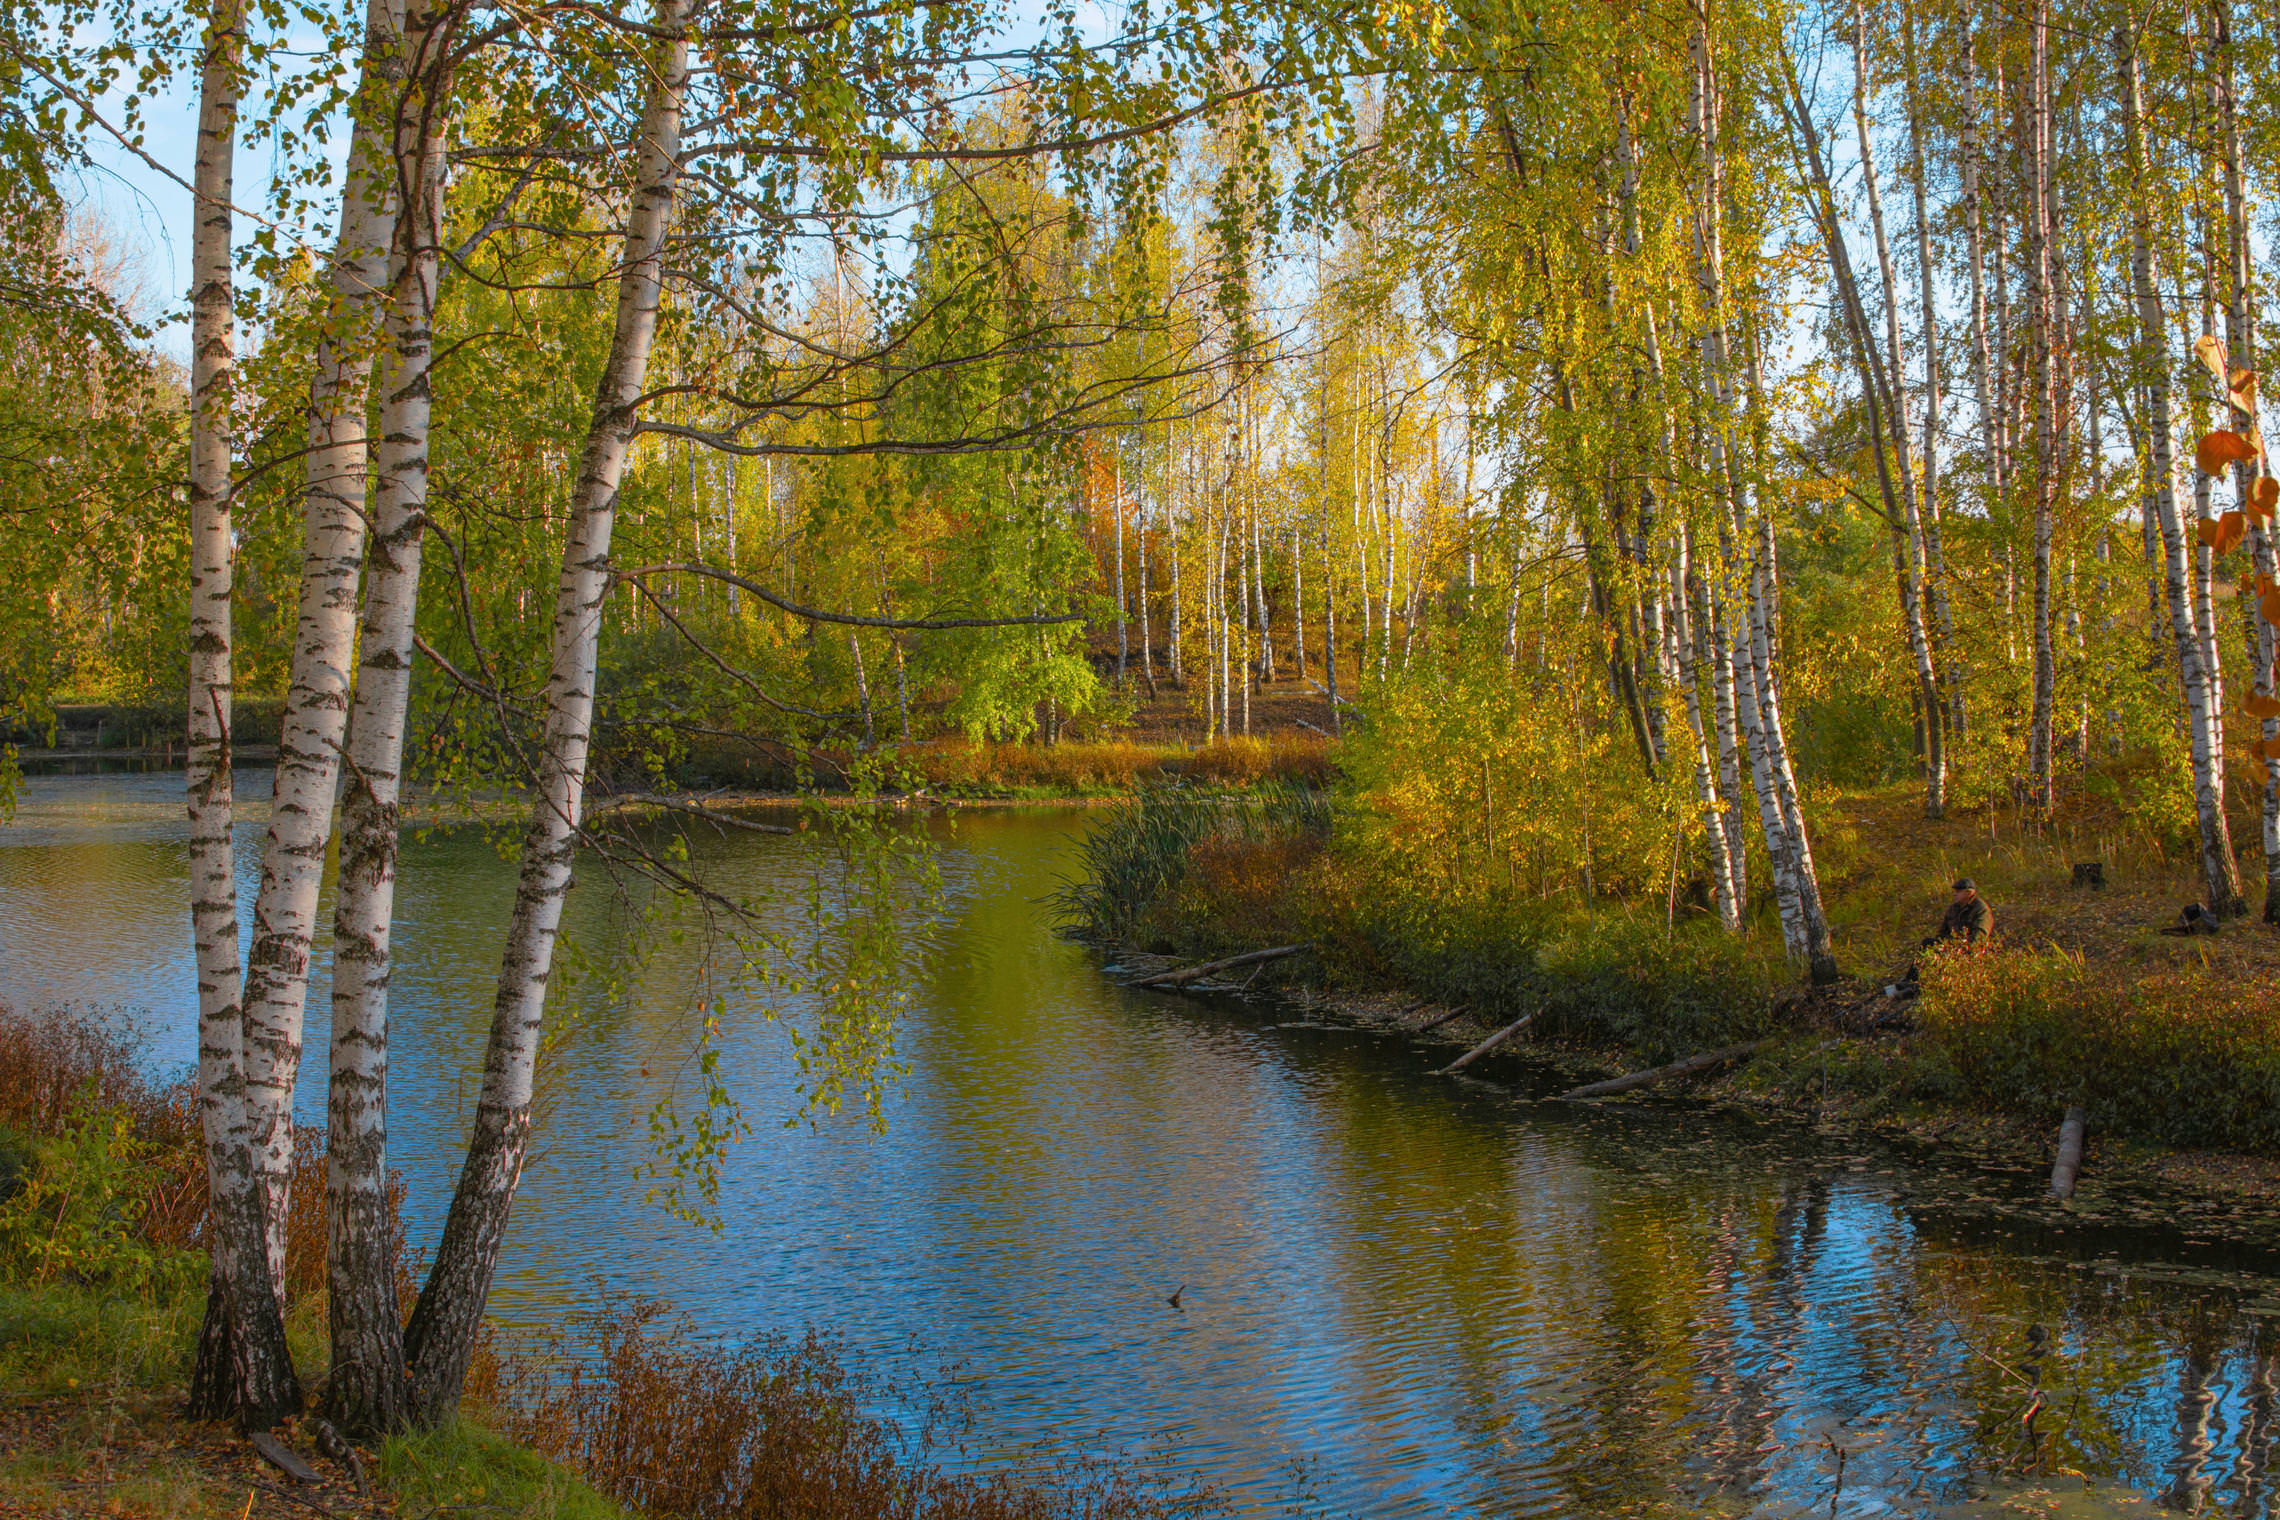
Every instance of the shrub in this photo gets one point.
(77, 1214)
(2169, 1056)
(674, 1425)
(54, 1060)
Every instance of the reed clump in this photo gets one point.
(1138, 853)
(673, 1426)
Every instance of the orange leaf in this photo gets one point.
(2231, 529)
(2269, 605)
(2266, 497)
(2262, 707)
(2264, 583)
(2243, 387)
(2220, 448)
(2206, 528)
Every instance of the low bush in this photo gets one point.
(676, 1426)
(2166, 1056)
(76, 1213)
(62, 1068)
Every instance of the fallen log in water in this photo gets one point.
(1197, 973)
(2068, 1166)
(1648, 1078)
(1487, 1045)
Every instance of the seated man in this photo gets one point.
(1968, 918)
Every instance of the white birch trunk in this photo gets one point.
(2045, 359)
(2219, 874)
(441, 1336)
(1717, 836)
(366, 1391)
(243, 1366)
(324, 642)
(2240, 340)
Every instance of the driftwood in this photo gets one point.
(2068, 1166)
(1648, 1078)
(1487, 1045)
(1188, 974)
(1457, 1012)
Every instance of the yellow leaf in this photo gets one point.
(2210, 350)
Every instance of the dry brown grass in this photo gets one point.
(1076, 768)
(676, 1427)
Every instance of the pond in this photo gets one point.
(1403, 1295)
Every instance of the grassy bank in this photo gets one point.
(955, 768)
(102, 1288)
(2080, 999)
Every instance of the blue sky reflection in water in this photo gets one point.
(1432, 1298)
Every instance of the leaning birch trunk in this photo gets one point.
(2240, 340)
(1779, 856)
(243, 1366)
(441, 1336)
(2219, 874)
(1820, 960)
(324, 642)
(366, 1389)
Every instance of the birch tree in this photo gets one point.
(243, 1366)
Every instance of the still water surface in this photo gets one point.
(1404, 1295)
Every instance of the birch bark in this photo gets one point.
(1990, 454)
(441, 1336)
(2045, 359)
(1935, 549)
(317, 696)
(1883, 387)
(366, 1390)
(2240, 342)
(2220, 875)
(1716, 833)
(243, 1365)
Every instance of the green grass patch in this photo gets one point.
(463, 1466)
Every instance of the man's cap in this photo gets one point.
(1963, 884)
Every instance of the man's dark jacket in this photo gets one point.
(1971, 920)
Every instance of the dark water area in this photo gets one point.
(1404, 1295)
